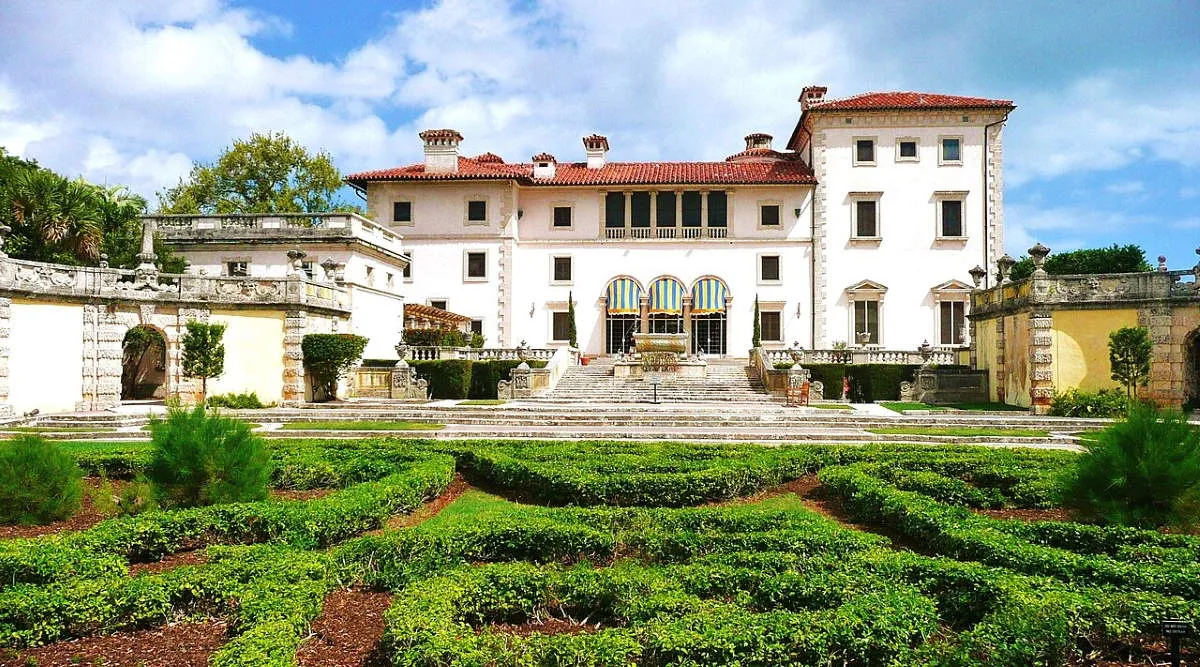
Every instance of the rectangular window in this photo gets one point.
(310, 269)
(691, 209)
(614, 209)
(718, 209)
(666, 209)
(864, 151)
(769, 215)
(477, 210)
(370, 276)
(866, 319)
(391, 281)
(402, 211)
(639, 214)
(407, 274)
(906, 150)
(866, 218)
(560, 325)
(769, 268)
(237, 269)
(562, 216)
(771, 323)
(951, 150)
(477, 327)
(952, 218)
(562, 269)
(952, 318)
(477, 265)
(440, 304)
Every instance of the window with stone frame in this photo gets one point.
(440, 304)
(866, 218)
(562, 270)
(477, 327)
(950, 218)
(768, 215)
(407, 273)
(476, 265)
(401, 211)
(866, 319)
(951, 150)
(769, 268)
(237, 269)
(771, 325)
(560, 326)
(864, 151)
(477, 210)
(906, 150)
(951, 321)
(562, 216)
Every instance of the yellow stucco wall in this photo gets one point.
(45, 363)
(253, 353)
(985, 354)
(1081, 346)
(1016, 353)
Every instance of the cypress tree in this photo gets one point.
(757, 339)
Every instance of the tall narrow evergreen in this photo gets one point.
(757, 340)
(571, 333)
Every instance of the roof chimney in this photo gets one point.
(812, 95)
(441, 150)
(596, 147)
(758, 140)
(543, 165)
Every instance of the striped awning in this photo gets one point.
(624, 297)
(666, 296)
(708, 296)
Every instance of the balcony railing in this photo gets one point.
(666, 232)
(298, 226)
(869, 355)
(647, 233)
(717, 232)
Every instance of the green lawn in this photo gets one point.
(900, 406)
(829, 406)
(361, 426)
(483, 401)
(962, 431)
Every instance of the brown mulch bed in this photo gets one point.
(177, 559)
(300, 494)
(543, 626)
(86, 517)
(1140, 654)
(348, 630)
(1052, 514)
(171, 645)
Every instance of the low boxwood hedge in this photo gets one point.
(461, 378)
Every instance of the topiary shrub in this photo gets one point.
(448, 378)
(201, 458)
(1103, 403)
(246, 401)
(1142, 471)
(327, 358)
(868, 382)
(39, 483)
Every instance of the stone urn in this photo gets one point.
(864, 337)
(796, 353)
(523, 351)
(926, 352)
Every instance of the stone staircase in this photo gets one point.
(728, 381)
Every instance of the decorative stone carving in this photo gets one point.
(908, 392)
(1005, 264)
(816, 389)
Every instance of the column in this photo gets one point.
(1041, 360)
(654, 211)
(687, 320)
(1001, 363)
(295, 324)
(644, 314)
(703, 209)
(628, 210)
(678, 210)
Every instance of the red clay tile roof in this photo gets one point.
(909, 100)
(756, 154)
(543, 157)
(780, 172)
(490, 158)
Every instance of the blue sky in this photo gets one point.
(1103, 148)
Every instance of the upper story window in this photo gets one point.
(477, 211)
(951, 151)
(768, 268)
(562, 216)
(614, 209)
(906, 150)
(561, 270)
(477, 327)
(370, 276)
(440, 304)
(864, 151)
(666, 209)
(476, 265)
(309, 268)
(560, 326)
(951, 322)
(639, 213)
(692, 206)
(768, 215)
(866, 218)
(237, 269)
(771, 325)
(402, 212)
(718, 209)
(950, 224)
(407, 273)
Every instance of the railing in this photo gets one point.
(690, 232)
(92, 282)
(299, 226)
(666, 232)
(639, 233)
(717, 232)
(869, 355)
(614, 232)
(434, 353)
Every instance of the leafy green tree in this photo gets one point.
(1142, 471)
(1113, 259)
(756, 338)
(203, 353)
(572, 334)
(267, 173)
(328, 357)
(1129, 350)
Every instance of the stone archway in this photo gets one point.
(1191, 371)
(143, 364)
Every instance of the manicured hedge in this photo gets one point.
(868, 382)
(460, 378)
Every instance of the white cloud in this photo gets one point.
(1126, 188)
(1189, 192)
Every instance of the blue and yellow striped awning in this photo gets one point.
(624, 297)
(666, 296)
(708, 296)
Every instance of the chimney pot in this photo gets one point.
(544, 165)
(812, 95)
(596, 147)
(441, 150)
(758, 140)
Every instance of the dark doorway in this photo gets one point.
(708, 333)
(619, 333)
(1191, 371)
(143, 364)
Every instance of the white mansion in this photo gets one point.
(864, 229)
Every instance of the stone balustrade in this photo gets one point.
(862, 355)
(433, 353)
(292, 226)
(43, 279)
(1101, 288)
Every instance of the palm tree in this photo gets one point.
(53, 218)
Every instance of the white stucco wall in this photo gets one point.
(908, 260)
(379, 316)
(45, 364)
(439, 270)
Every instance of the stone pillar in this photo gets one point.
(295, 325)
(1041, 360)
(108, 351)
(643, 315)
(521, 378)
(704, 209)
(5, 327)
(1165, 386)
(628, 209)
(146, 273)
(678, 210)
(1001, 363)
(654, 211)
(687, 322)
